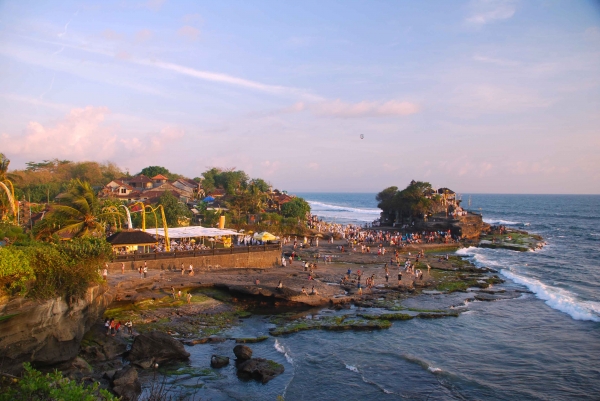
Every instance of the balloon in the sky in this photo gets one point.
(362, 136)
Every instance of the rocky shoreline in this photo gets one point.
(222, 299)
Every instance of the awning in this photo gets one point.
(192, 232)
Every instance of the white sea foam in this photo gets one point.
(558, 298)
(466, 251)
(501, 222)
(352, 368)
(327, 206)
(280, 348)
(434, 369)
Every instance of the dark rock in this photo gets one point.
(218, 361)
(109, 374)
(126, 384)
(156, 347)
(242, 352)
(259, 369)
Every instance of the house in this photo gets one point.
(158, 180)
(188, 186)
(139, 182)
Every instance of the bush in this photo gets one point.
(36, 386)
(48, 270)
(15, 270)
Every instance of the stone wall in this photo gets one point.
(263, 259)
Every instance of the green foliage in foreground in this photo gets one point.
(35, 386)
(46, 270)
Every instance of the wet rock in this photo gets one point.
(156, 347)
(242, 352)
(487, 297)
(259, 369)
(126, 384)
(219, 361)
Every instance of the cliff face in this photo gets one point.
(48, 332)
(465, 227)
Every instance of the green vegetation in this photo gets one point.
(340, 323)
(36, 386)
(297, 208)
(251, 340)
(47, 270)
(415, 201)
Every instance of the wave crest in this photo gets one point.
(558, 298)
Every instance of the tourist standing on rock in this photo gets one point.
(179, 294)
(182, 269)
(129, 325)
(387, 274)
(399, 276)
(105, 274)
(191, 270)
(173, 293)
(145, 271)
(123, 268)
(141, 270)
(189, 298)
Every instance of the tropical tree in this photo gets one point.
(175, 211)
(7, 191)
(297, 208)
(79, 212)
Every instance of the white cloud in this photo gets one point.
(498, 99)
(81, 135)
(216, 77)
(143, 35)
(496, 61)
(269, 167)
(339, 109)
(189, 32)
(313, 166)
(486, 11)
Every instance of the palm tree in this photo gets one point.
(79, 214)
(7, 191)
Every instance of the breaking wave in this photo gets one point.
(281, 349)
(558, 298)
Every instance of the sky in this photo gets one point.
(482, 96)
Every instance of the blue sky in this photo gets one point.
(480, 96)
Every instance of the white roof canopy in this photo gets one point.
(192, 232)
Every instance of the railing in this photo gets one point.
(192, 254)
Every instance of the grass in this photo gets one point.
(6, 317)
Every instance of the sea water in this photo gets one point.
(543, 345)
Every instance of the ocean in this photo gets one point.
(543, 345)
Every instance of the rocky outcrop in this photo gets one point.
(125, 384)
(259, 369)
(49, 332)
(242, 352)
(218, 361)
(155, 348)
